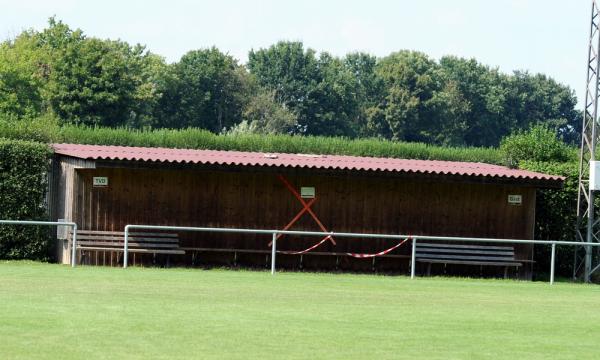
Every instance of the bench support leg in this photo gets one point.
(506, 272)
(429, 269)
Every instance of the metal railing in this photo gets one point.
(414, 238)
(51, 223)
(274, 234)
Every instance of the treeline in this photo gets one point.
(407, 96)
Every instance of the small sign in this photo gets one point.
(100, 181)
(594, 175)
(307, 192)
(515, 199)
(61, 231)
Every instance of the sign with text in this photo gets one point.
(515, 199)
(100, 181)
(307, 192)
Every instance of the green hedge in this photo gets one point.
(46, 130)
(539, 143)
(201, 139)
(555, 215)
(23, 182)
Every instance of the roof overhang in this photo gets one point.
(478, 172)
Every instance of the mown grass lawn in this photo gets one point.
(55, 312)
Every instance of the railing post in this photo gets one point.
(273, 253)
(74, 246)
(125, 246)
(412, 258)
(552, 263)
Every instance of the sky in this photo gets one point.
(545, 36)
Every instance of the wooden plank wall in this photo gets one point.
(62, 181)
(258, 199)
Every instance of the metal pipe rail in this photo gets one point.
(414, 238)
(51, 223)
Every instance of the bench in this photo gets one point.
(437, 253)
(138, 243)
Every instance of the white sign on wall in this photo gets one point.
(100, 181)
(61, 231)
(307, 192)
(515, 199)
(594, 175)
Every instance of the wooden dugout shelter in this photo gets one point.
(104, 188)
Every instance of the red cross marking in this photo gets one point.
(306, 207)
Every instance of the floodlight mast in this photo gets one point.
(587, 227)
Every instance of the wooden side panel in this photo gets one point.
(64, 194)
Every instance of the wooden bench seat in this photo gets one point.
(138, 242)
(483, 255)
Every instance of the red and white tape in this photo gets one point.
(363, 256)
(305, 250)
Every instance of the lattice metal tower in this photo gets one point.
(588, 224)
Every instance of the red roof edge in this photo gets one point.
(309, 161)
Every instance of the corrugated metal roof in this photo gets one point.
(334, 162)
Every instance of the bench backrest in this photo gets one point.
(116, 239)
(464, 252)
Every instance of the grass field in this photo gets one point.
(55, 312)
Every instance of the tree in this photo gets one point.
(81, 80)
(23, 74)
(264, 115)
(321, 91)
(332, 103)
(450, 110)
(410, 82)
(485, 94)
(97, 82)
(286, 69)
(368, 91)
(538, 99)
(206, 89)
